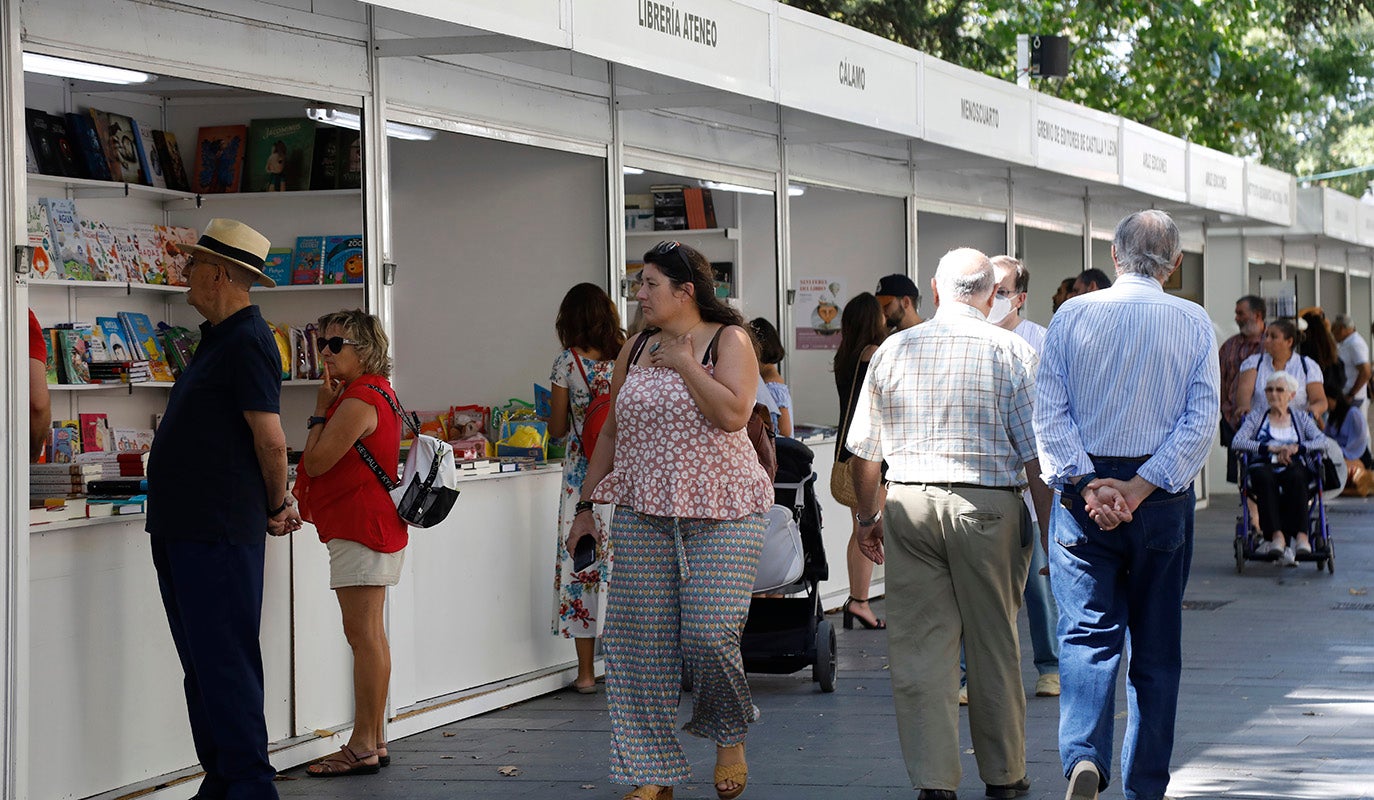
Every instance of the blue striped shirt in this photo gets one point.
(1128, 371)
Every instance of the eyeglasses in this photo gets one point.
(334, 344)
(1003, 293)
(1269, 389)
(664, 248)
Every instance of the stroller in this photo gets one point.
(786, 633)
(1318, 530)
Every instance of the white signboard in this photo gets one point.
(723, 44)
(975, 113)
(1216, 180)
(1366, 220)
(1074, 140)
(535, 20)
(1153, 162)
(1340, 216)
(828, 68)
(1270, 195)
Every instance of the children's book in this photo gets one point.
(219, 159)
(132, 440)
(95, 433)
(73, 363)
(343, 259)
(101, 252)
(179, 344)
(101, 122)
(307, 262)
(173, 169)
(88, 145)
(54, 375)
(176, 260)
(96, 350)
(40, 239)
(66, 440)
(148, 158)
(144, 338)
(150, 264)
(73, 166)
(126, 252)
(324, 171)
(280, 155)
(277, 265)
(123, 141)
(117, 339)
(68, 243)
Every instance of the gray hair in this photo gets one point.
(1289, 382)
(964, 274)
(1010, 264)
(1147, 243)
(1342, 321)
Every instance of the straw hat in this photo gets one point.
(236, 243)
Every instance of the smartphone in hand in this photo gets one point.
(585, 553)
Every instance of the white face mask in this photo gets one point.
(1001, 309)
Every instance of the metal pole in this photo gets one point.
(783, 209)
(615, 201)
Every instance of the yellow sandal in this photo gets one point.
(650, 793)
(737, 774)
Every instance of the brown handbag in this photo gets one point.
(841, 485)
(761, 435)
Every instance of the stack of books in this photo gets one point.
(58, 491)
(120, 371)
(111, 497)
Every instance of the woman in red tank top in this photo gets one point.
(355, 516)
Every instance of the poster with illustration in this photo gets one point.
(818, 313)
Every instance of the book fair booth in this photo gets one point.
(468, 163)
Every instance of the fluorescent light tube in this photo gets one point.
(632, 170)
(81, 70)
(350, 119)
(793, 190)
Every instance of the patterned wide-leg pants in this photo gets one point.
(677, 606)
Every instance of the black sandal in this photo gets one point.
(850, 616)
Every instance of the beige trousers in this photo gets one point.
(956, 569)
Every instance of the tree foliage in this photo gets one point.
(1286, 82)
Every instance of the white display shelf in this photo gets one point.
(123, 287)
(85, 387)
(85, 522)
(183, 201)
(86, 187)
(303, 382)
(311, 287)
(728, 233)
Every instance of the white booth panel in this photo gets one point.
(1102, 257)
(535, 20)
(1360, 302)
(1366, 223)
(1050, 257)
(1262, 272)
(1264, 248)
(1270, 194)
(836, 167)
(976, 113)
(1307, 285)
(488, 238)
(852, 237)
(1300, 253)
(1333, 297)
(937, 234)
(1073, 140)
(1216, 180)
(324, 56)
(1189, 278)
(758, 256)
(1153, 161)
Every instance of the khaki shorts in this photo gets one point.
(353, 564)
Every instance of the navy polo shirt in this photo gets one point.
(204, 481)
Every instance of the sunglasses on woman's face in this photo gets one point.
(334, 344)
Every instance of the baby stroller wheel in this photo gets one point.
(823, 671)
(1240, 555)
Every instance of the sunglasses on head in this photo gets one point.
(664, 248)
(334, 344)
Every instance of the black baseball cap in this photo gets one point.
(897, 286)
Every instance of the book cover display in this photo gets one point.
(101, 122)
(72, 361)
(88, 145)
(307, 262)
(117, 339)
(68, 243)
(40, 239)
(220, 152)
(43, 141)
(144, 339)
(123, 146)
(325, 167)
(100, 251)
(343, 259)
(350, 159)
(277, 265)
(280, 155)
(173, 168)
(148, 158)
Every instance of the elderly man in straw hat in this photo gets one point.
(216, 485)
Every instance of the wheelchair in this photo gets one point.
(1248, 536)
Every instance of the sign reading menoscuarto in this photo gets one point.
(722, 44)
(1153, 162)
(1074, 140)
(974, 112)
(1216, 180)
(828, 68)
(535, 20)
(1270, 195)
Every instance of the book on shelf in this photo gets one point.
(68, 243)
(95, 432)
(66, 440)
(54, 375)
(307, 260)
(143, 337)
(127, 252)
(40, 239)
(117, 486)
(68, 152)
(82, 468)
(56, 509)
(150, 258)
(670, 208)
(44, 142)
(101, 122)
(133, 440)
(179, 344)
(696, 210)
(343, 259)
(94, 337)
(277, 265)
(72, 361)
(325, 160)
(124, 147)
(280, 155)
(220, 152)
(148, 159)
(97, 507)
(173, 235)
(83, 132)
(350, 159)
(117, 342)
(101, 254)
(709, 208)
(173, 168)
(30, 158)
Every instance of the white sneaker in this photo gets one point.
(1264, 548)
(1289, 559)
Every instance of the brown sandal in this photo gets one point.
(343, 763)
(650, 793)
(737, 774)
(383, 757)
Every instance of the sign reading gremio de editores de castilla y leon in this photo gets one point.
(673, 21)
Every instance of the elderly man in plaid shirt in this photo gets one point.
(948, 405)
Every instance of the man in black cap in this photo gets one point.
(899, 297)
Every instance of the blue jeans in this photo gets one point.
(1121, 592)
(1041, 612)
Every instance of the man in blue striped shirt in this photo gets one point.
(1126, 405)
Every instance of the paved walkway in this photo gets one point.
(1278, 702)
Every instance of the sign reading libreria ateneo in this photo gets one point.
(723, 44)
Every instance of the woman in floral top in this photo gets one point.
(589, 330)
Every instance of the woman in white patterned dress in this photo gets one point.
(589, 330)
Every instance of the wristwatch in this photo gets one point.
(313, 421)
(285, 504)
(868, 522)
(582, 505)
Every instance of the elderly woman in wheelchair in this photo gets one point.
(1274, 441)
